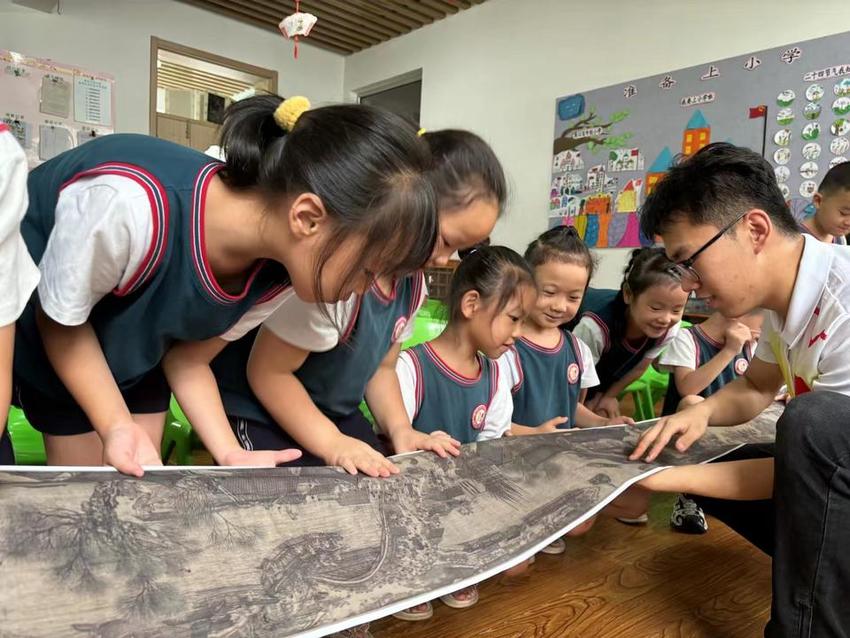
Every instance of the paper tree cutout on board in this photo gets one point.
(297, 24)
(593, 133)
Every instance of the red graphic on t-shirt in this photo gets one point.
(816, 338)
(800, 387)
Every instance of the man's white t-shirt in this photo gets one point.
(812, 345)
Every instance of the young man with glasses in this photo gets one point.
(725, 223)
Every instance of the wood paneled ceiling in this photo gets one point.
(344, 26)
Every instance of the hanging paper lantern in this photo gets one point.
(297, 24)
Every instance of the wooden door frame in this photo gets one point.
(158, 44)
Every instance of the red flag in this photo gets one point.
(758, 111)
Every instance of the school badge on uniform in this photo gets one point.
(572, 373)
(478, 416)
(741, 366)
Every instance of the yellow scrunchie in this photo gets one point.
(287, 114)
(421, 132)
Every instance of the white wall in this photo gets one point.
(497, 68)
(113, 36)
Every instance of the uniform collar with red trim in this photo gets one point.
(812, 275)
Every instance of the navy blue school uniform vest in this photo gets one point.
(335, 380)
(706, 349)
(448, 401)
(173, 295)
(618, 356)
(549, 381)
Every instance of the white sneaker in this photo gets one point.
(558, 546)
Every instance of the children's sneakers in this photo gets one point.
(558, 546)
(643, 519)
(360, 631)
(688, 517)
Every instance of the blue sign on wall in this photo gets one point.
(571, 107)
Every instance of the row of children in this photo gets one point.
(271, 292)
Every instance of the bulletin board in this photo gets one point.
(612, 145)
(52, 107)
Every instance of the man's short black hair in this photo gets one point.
(714, 186)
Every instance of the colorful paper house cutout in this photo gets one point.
(660, 166)
(595, 178)
(628, 198)
(697, 134)
(568, 161)
(597, 204)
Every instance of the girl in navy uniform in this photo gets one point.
(309, 379)
(702, 359)
(152, 257)
(18, 273)
(451, 385)
(626, 329)
(548, 366)
(705, 357)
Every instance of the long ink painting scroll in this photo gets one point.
(298, 551)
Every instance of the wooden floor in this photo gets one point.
(619, 581)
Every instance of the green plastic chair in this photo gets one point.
(658, 382)
(27, 442)
(426, 327)
(642, 397)
(178, 438)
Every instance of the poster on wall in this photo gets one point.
(52, 107)
(612, 145)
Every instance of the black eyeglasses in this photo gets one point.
(684, 270)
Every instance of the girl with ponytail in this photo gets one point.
(548, 366)
(627, 328)
(153, 257)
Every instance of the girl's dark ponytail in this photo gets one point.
(248, 136)
(367, 165)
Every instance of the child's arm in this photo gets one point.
(747, 480)
(76, 356)
(586, 418)
(7, 345)
(103, 230)
(271, 373)
(18, 273)
(383, 395)
(607, 404)
(187, 368)
(690, 381)
(548, 426)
